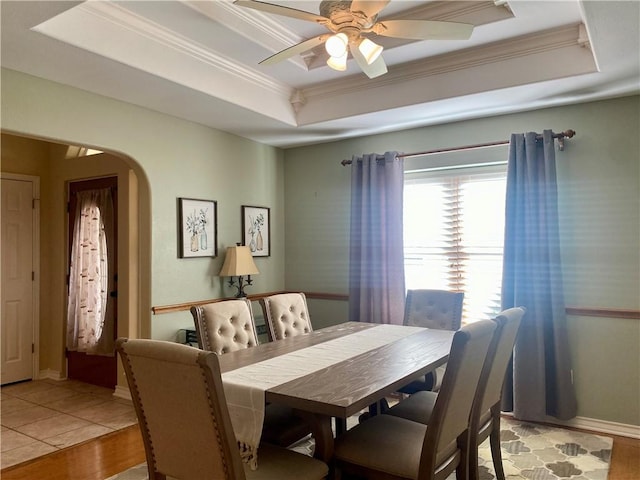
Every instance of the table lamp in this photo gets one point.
(239, 263)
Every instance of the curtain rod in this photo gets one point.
(560, 136)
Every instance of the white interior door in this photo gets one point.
(17, 317)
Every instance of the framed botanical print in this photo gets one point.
(256, 230)
(197, 224)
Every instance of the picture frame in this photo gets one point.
(197, 227)
(256, 230)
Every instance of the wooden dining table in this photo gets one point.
(350, 385)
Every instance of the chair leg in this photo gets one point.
(496, 449)
(378, 408)
(153, 475)
(463, 470)
(335, 474)
(474, 471)
(464, 467)
(381, 406)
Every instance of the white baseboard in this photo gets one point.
(602, 426)
(122, 392)
(50, 374)
(119, 392)
(595, 425)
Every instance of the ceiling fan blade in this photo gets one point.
(377, 68)
(369, 7)
(424, 29)
(296, 49)
(280, 10)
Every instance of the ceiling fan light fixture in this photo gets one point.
(370, 50)
(336, 45)
(338, 63)
(349, 22)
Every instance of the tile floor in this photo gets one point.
(43, 416)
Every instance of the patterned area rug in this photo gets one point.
(533, 451)
(529, 452)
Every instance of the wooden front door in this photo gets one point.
(99, 370)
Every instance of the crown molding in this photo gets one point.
(147, 46)
(518, 47)
(146, 29)
(474, 12)
(455, 75)
(255, 26)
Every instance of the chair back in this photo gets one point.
(286, 315)
(490, 392)
(447, 434)
(225, 326)
(162, 376)
(441, 309)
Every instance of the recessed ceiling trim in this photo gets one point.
(261, 29)
(121, 17)
(142, 44)
(522, 46)
(438, 78)
(474, 12)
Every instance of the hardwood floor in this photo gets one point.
(625, 459)
(103, 457)
(93, 460)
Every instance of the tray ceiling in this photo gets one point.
(199, 60)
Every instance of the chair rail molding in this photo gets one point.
(573, 311)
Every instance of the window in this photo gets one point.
(454, 233)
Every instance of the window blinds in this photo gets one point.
(454, 232)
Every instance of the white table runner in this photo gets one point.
(245, 387)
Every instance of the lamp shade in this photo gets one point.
(237, 262)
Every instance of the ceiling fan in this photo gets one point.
(349, 23)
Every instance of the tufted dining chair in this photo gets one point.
(390, 447)
(187, 434)
(485, 419)
(286, 315)
(225, 326)
(228, 325)
(439, 309)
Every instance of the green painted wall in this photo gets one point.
(171, 158)
(599, 196)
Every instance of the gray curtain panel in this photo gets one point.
(539, 382)
(376, 252)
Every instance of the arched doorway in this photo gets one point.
(56, 164)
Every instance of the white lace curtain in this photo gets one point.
(87, 328)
